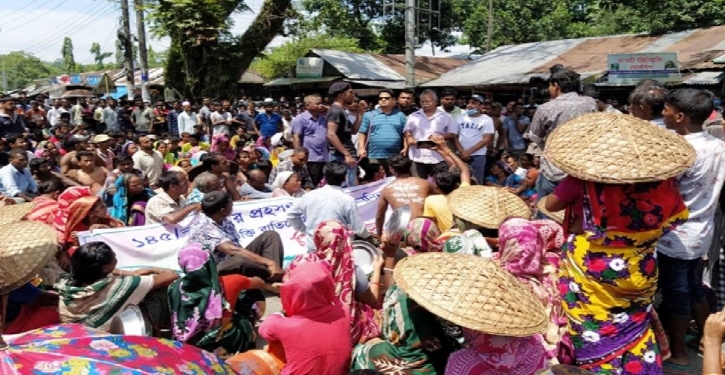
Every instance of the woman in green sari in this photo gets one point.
(212, 313)
(95, 291)
(414, 342)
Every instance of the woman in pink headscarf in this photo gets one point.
(220, 143)
(529, 250)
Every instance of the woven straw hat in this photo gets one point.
(472, 292)
(617, 149)
(486, 206)
(557, 216)
(25, 248)
(14, 212)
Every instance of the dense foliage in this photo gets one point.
(204, 57)
(514, 21)
(282, 60)
(21, 69)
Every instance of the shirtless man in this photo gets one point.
(89, 173)
(69, 161)
(406, 189)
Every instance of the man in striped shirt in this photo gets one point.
(381, 132)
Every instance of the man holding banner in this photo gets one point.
(327, 203)
(217, 234)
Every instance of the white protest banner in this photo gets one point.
(157, 245)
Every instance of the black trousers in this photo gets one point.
(425, 170)
(315, 170)
(267, 244)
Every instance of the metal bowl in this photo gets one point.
(397, 224)
(130, 322)
(364, 254)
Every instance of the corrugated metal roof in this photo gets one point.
(358, 65)
(516, 64)
(719, 60)
(505, 64)
(705, 78)
(153, 73)
(292, 81)
(426, 67)
(393, 85)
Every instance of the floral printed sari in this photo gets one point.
(334, 247)
(413, 343)
(608, 274)
(199, 309)
(421, 236)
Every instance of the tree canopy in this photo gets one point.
(99, 56)
(281, 61)
(514, 21)
(205, 58)
(69, 62)
(21, 69)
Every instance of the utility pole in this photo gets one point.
(490, 26)
(410, 43)
(142, 52)
(5, 78)
(125, 37)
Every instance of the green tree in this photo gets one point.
(99, 56)
(281, 61)
(22, 68)
(69, 62)
(156, 59)
(204, 57)
(380, 29)
(660, 16)
(519, 21)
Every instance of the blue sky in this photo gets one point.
(39, 26)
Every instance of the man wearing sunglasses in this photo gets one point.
(381, 131)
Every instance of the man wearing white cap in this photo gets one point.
(187, 119)
(101, 142)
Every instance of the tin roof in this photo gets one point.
(516, 64)
(358, 65)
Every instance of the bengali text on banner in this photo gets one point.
(157, 245)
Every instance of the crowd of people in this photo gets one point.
(589, 207)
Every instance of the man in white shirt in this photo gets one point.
(187, 119)
(54, 113)
(169, 206)
(327, 203)
(221, 119)
(475, 134)
(148, 160)
(421, 125)
(680, 252)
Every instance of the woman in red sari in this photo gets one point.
(79, 210)
(47, 202)
(334, 250)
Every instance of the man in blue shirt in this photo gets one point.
(515, 124)
(15, 179)
(267, 121)
(381, 132)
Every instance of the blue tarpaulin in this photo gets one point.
(120, 91)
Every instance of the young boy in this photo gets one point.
(240, 138)
(680, 253)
